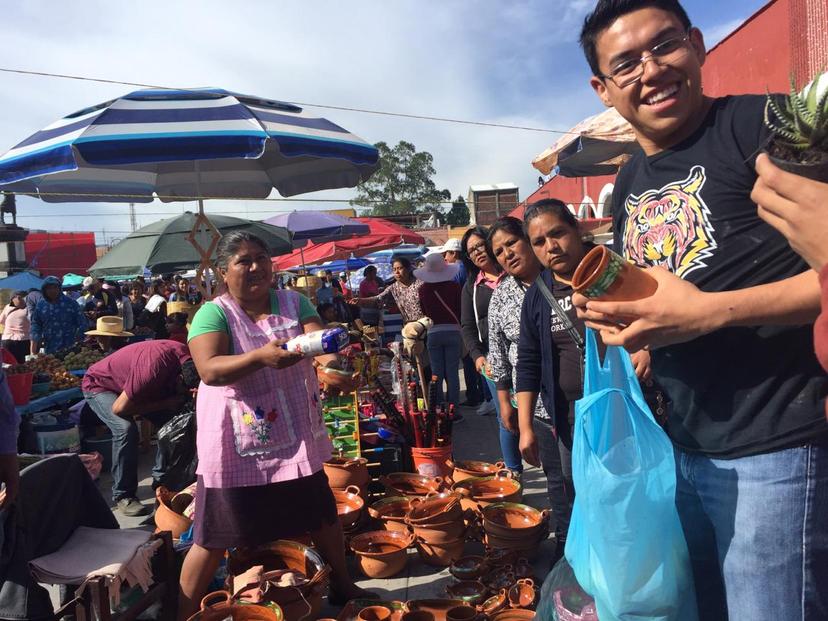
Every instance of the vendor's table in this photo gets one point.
(57, 398)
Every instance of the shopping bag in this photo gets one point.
(177, 446)
(625, 543)
(563, 599)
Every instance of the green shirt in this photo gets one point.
(211, 318)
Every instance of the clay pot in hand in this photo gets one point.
(473, 592)
(468, 567)
(348, 505)
(381, 553)
(411, 485)
(522, 594)
(469, 469)
(345, 471)
(219, 606)
(441, 554)
(168, 519)
(374, 613)
(442, 507)
(437, 607)
(390, 512)
(604, 275)
(461, 613)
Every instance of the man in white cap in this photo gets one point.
(451, 253)
(95, 302)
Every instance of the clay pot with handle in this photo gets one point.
(381, 553)
(345, 471)
(390, 512)
(166, 518)
(223, 607)
(435, 507)
(522, 594)
(411, 485)
(468, 469)
(348, 505)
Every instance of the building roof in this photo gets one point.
(491, 187)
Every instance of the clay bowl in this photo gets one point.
(468, 567)
(479, 492)
(522, 594)
(441, 533)
(374, 613)
(470, 469)
(472, 592)
(434, 508)
(437, 607)
(411, 485)
(513, 614)
(441, 554)
(223, 607)
(348, 505)
(345, 471)
(168, 519)
(494, 603)
(381, 553)
(510, 519)
(390, 512)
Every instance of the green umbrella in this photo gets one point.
(164, 246)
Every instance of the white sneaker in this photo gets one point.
(486, 408)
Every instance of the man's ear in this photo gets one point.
(600, 88)
(697, 43)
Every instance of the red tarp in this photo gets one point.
(57, 254)
(383, 235)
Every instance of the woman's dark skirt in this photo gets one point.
(255, 515)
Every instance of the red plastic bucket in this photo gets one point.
(20, 385)
(432, 462)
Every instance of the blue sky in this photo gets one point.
(503, 62)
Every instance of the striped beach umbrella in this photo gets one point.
(184, 145)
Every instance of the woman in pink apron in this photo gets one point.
(261, 436)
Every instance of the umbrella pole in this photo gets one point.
(201, 220)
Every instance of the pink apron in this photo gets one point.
(268, 426)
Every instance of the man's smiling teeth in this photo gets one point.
(662, 95)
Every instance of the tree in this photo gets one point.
(403, 183)
(458, 215)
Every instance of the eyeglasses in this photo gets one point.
(477, 249)
(629, 71)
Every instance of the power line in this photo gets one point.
(421, 117)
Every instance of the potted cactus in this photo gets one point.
(799, 129)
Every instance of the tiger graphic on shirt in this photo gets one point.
(670, 226)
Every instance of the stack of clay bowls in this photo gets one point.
(381, 553)
(349, 506)
(470, 469)
(514, 527)
(411, 485)
(342, 472)
(479, 492)
(439, 524)
(389, 513)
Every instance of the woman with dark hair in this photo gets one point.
(483, 277)
(154, 313)
(261, 437)
(16, 327)
(509, 246)
(404, 292)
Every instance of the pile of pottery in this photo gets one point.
(490, 585)
(514, 527)
(381, 553)
(479, 492)
(439, 523)
(389, 513)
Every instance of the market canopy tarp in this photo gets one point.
(22, 281)
(598, 145)
(383, 235)
(72, 280)
(163, 246)
(317, 226)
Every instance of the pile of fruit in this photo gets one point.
(50, 366)
(82, 359)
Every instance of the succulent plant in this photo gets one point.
(801, 122)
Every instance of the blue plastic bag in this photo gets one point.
(625, 544)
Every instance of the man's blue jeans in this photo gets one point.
(757, 530)
(444, 351)
(125, 444)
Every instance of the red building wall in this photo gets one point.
(56, 254)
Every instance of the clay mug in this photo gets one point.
(522, 593)
(461, 613)
(374, 613)
(604, 275)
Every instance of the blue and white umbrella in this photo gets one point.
(186, 145)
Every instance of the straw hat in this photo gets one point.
(436, 269)
(109, 326)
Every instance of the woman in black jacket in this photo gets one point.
(483, 277)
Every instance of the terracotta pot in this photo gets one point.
(516, 543)
(604, 275)
(168, 519)
(442, 507)
(437, 607)
(472, 592)
(390, 512)
(522, 594)
(461, 613)
(345, 471)
(441, 533)
(381, 553)
(374, 613)
(223, 608)
(411, 485)
(441, 554)
(479, 492)
(494, 603)
(418, 615)
(468, 469)
(283, 554)
(510, 520)
(468, 567)
(513, 614)
(348, 505)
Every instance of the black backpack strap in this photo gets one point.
(559, 312)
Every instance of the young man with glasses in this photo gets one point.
(729, 325)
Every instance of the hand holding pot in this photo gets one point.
(796, 207)
(677, 312)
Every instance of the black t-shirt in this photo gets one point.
(569, 385)
(737, 391)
